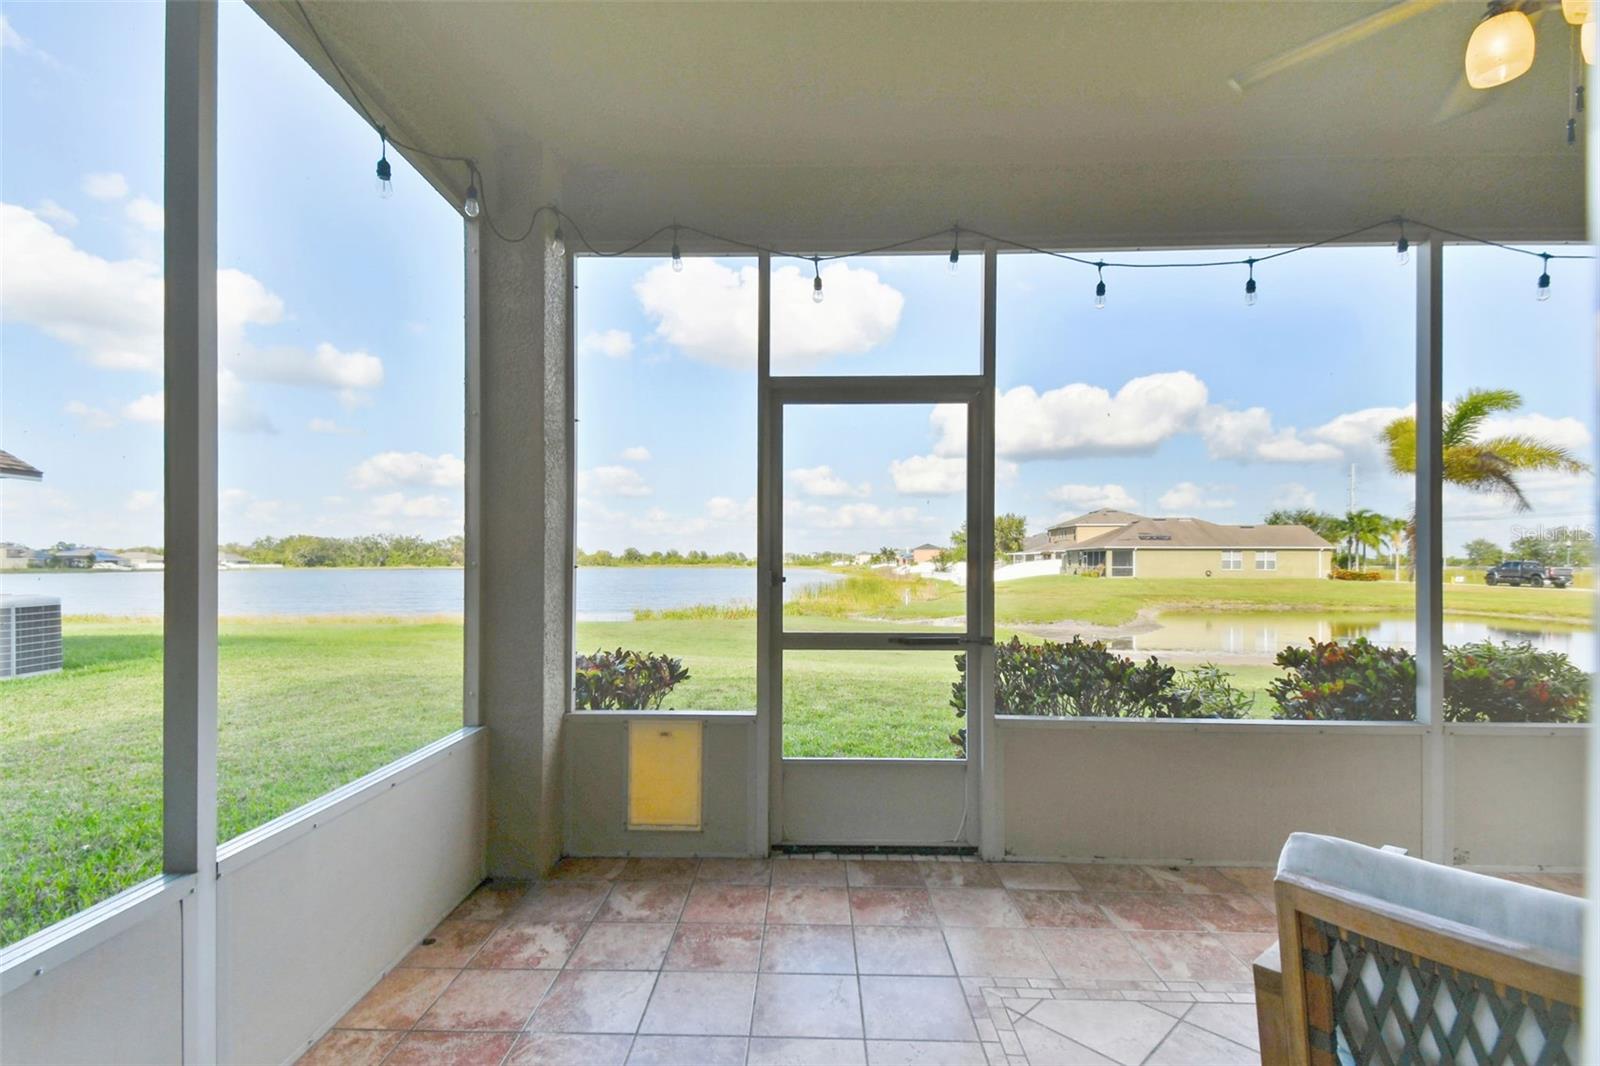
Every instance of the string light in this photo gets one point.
(1543, 292)
(385, 186)
(1250, 284)
(1402, 247)
(816, 279)
(955, 248)
(472, 208)
(677, 254)
(558, 241)
(1100, 287)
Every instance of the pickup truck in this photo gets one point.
(1527, 572)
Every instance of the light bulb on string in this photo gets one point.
(1542, 293)
(1250, 284)
(1100, 287)
(385, 173)
(816, 281)
(1402, 247)
(955, 248)
(677, 253)
(558, 240)
(472, 208)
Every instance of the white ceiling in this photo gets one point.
(1093, 123)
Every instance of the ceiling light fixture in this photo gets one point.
(1501, 47)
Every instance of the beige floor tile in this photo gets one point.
(659, 870)
(571, 869)
(1188, 1045)
(644, 901)
(594, 1001)
(561, 901)
(996, 953)
(715, 947)
(695, 1003)
(915, 1008)
(807, 1005)
(1233, 1021)
(808, 905)
(1189, 957)
(1191, 879)
(1092, 955)
(801, 1051)
(1234, 913)
(1059, 909)
(569, 1049)
(808, 949)
(735, 871)
(351, 1047)
(622, 946)
(828, 872)
(492, 901)
(1124, 1032)
(398, 1000)
(988, 908)
(1247, 946)
(902, 950)
(1112, 877)
(451, 945)
(882, 873)
(925, 1052)
(1047, 1047)
(893, 906)
(421, 1048)
(1166, 911)
(488, 999)
(652, 1050)
(519, 945)
(1039, 875)
(958, 874)
(726, 904)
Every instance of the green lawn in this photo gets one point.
(309, 705)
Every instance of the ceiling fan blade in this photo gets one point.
(1462, 99)
(1332, 41)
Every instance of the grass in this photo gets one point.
(303, 708)
(308, 704)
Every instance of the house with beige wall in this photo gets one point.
(1193, 547)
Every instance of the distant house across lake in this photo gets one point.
(1120, 544)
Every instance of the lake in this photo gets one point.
(604, 593)
(1258, 636)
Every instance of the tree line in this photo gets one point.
(375, 549)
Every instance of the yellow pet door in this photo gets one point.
(664, 774)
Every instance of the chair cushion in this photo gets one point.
(1509, 910)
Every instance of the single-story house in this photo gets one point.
(142, 560)
(88, 558)
(1053, 543)
(926, 553)
(15, 556)
(1193, 547)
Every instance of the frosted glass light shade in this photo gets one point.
(1500, 50)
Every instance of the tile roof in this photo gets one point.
(1198, 533)
(1105, 516)
(11, 466)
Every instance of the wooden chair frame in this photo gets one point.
(1307, 999)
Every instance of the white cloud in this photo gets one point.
(1293, 496)
(727, 509)
(92, 417)
(611, 343)
(822, 481)
(929, 475)
(612, 481)
(1094, 497)
(636, 454)
(151, 407)
(105, 186)
(1187, 496)
(387, 469)
(146, 214)
(328, 426)
(1080, 419)
(805, 515)
(54, 213)
(399, 505)
(708, 311)
(16, 42)
(325, 367)
(1250, 435)
(142, 500)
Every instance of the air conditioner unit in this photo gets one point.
(30, 635)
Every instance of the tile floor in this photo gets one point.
(816, 960)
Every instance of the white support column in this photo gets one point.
(1591, 832)
(980, 620)
(1436, 844)
(769, 574)
(189, 706)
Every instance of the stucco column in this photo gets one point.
(524, 635)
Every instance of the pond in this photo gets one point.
(1246, 637)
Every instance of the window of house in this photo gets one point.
(1233, 560)
(1266, 560)
(1122, 562)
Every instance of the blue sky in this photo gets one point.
(342, 351)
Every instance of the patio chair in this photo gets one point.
(1393, 959)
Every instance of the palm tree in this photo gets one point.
(1363, 529)
(1397, 532)
(1488, 466)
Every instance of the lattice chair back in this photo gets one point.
(1388, 959)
